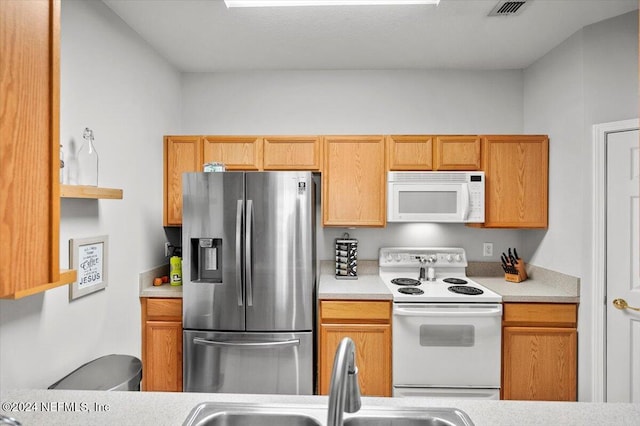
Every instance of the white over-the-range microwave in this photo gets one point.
(454, 197)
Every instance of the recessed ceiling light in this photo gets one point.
(278, 3)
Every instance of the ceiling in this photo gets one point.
(205, 36)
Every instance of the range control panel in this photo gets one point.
(415, 256)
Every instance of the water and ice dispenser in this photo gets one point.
(206, 260)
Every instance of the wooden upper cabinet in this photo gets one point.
(354, 181)
(516, 172)
(29, 147)
(457, 153)
(181, 154)
(292, 153)
(235, 152)
(410, 152)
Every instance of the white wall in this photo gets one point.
(364, 102)
(591, 78)
(114, 83)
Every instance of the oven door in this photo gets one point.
(447, 345)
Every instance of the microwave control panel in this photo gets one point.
(476, 198)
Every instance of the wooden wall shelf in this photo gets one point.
(94, 192)
(67, 276)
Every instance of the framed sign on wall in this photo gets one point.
(89, 257)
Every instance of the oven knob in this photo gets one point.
(449, 258)
(396, 257)
(458, 258)
(388, 257)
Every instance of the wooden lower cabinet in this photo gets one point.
(161, 344)
(368, 324)
(540, 352)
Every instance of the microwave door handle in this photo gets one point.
(239, 252)
(466, 201)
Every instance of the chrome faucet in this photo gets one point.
(344, 392)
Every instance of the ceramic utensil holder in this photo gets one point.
(346, 258)
(520, 276)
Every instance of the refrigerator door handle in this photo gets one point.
(246, 345)
(239, 252)
(248, 251)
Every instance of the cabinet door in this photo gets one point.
(457, 153)
(163, 360)
(292, 153)
(516, 171)
(411, 152)
(354, 181)
(235, 152)
(539, 363)
(181, 154)
(373, 356)
(161, 344)
(29, 147)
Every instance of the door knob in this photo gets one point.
(622, 304)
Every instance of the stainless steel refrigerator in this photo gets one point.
(249, 272)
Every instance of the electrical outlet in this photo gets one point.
(487, 249)
(167, 246)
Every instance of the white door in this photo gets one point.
(623, 275)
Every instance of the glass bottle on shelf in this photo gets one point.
(87, 160)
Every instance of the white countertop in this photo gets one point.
(543, 286)
(366, 287)
(147, 289)
(531, 290)
(71, 408)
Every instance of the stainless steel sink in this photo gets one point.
(236, 414)
(402, 417)
(241, 419)
(219, 414)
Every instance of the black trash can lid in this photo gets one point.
(105, 373)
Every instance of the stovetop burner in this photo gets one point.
(462, 289)
(405, 281)
(457, 281)
(410, 290)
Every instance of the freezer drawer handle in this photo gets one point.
(442, 313)
(247, 345)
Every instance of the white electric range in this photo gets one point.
(400, 271)
(446, 327)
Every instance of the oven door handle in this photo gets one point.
(443, 312)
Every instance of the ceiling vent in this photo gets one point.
(508, 7)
